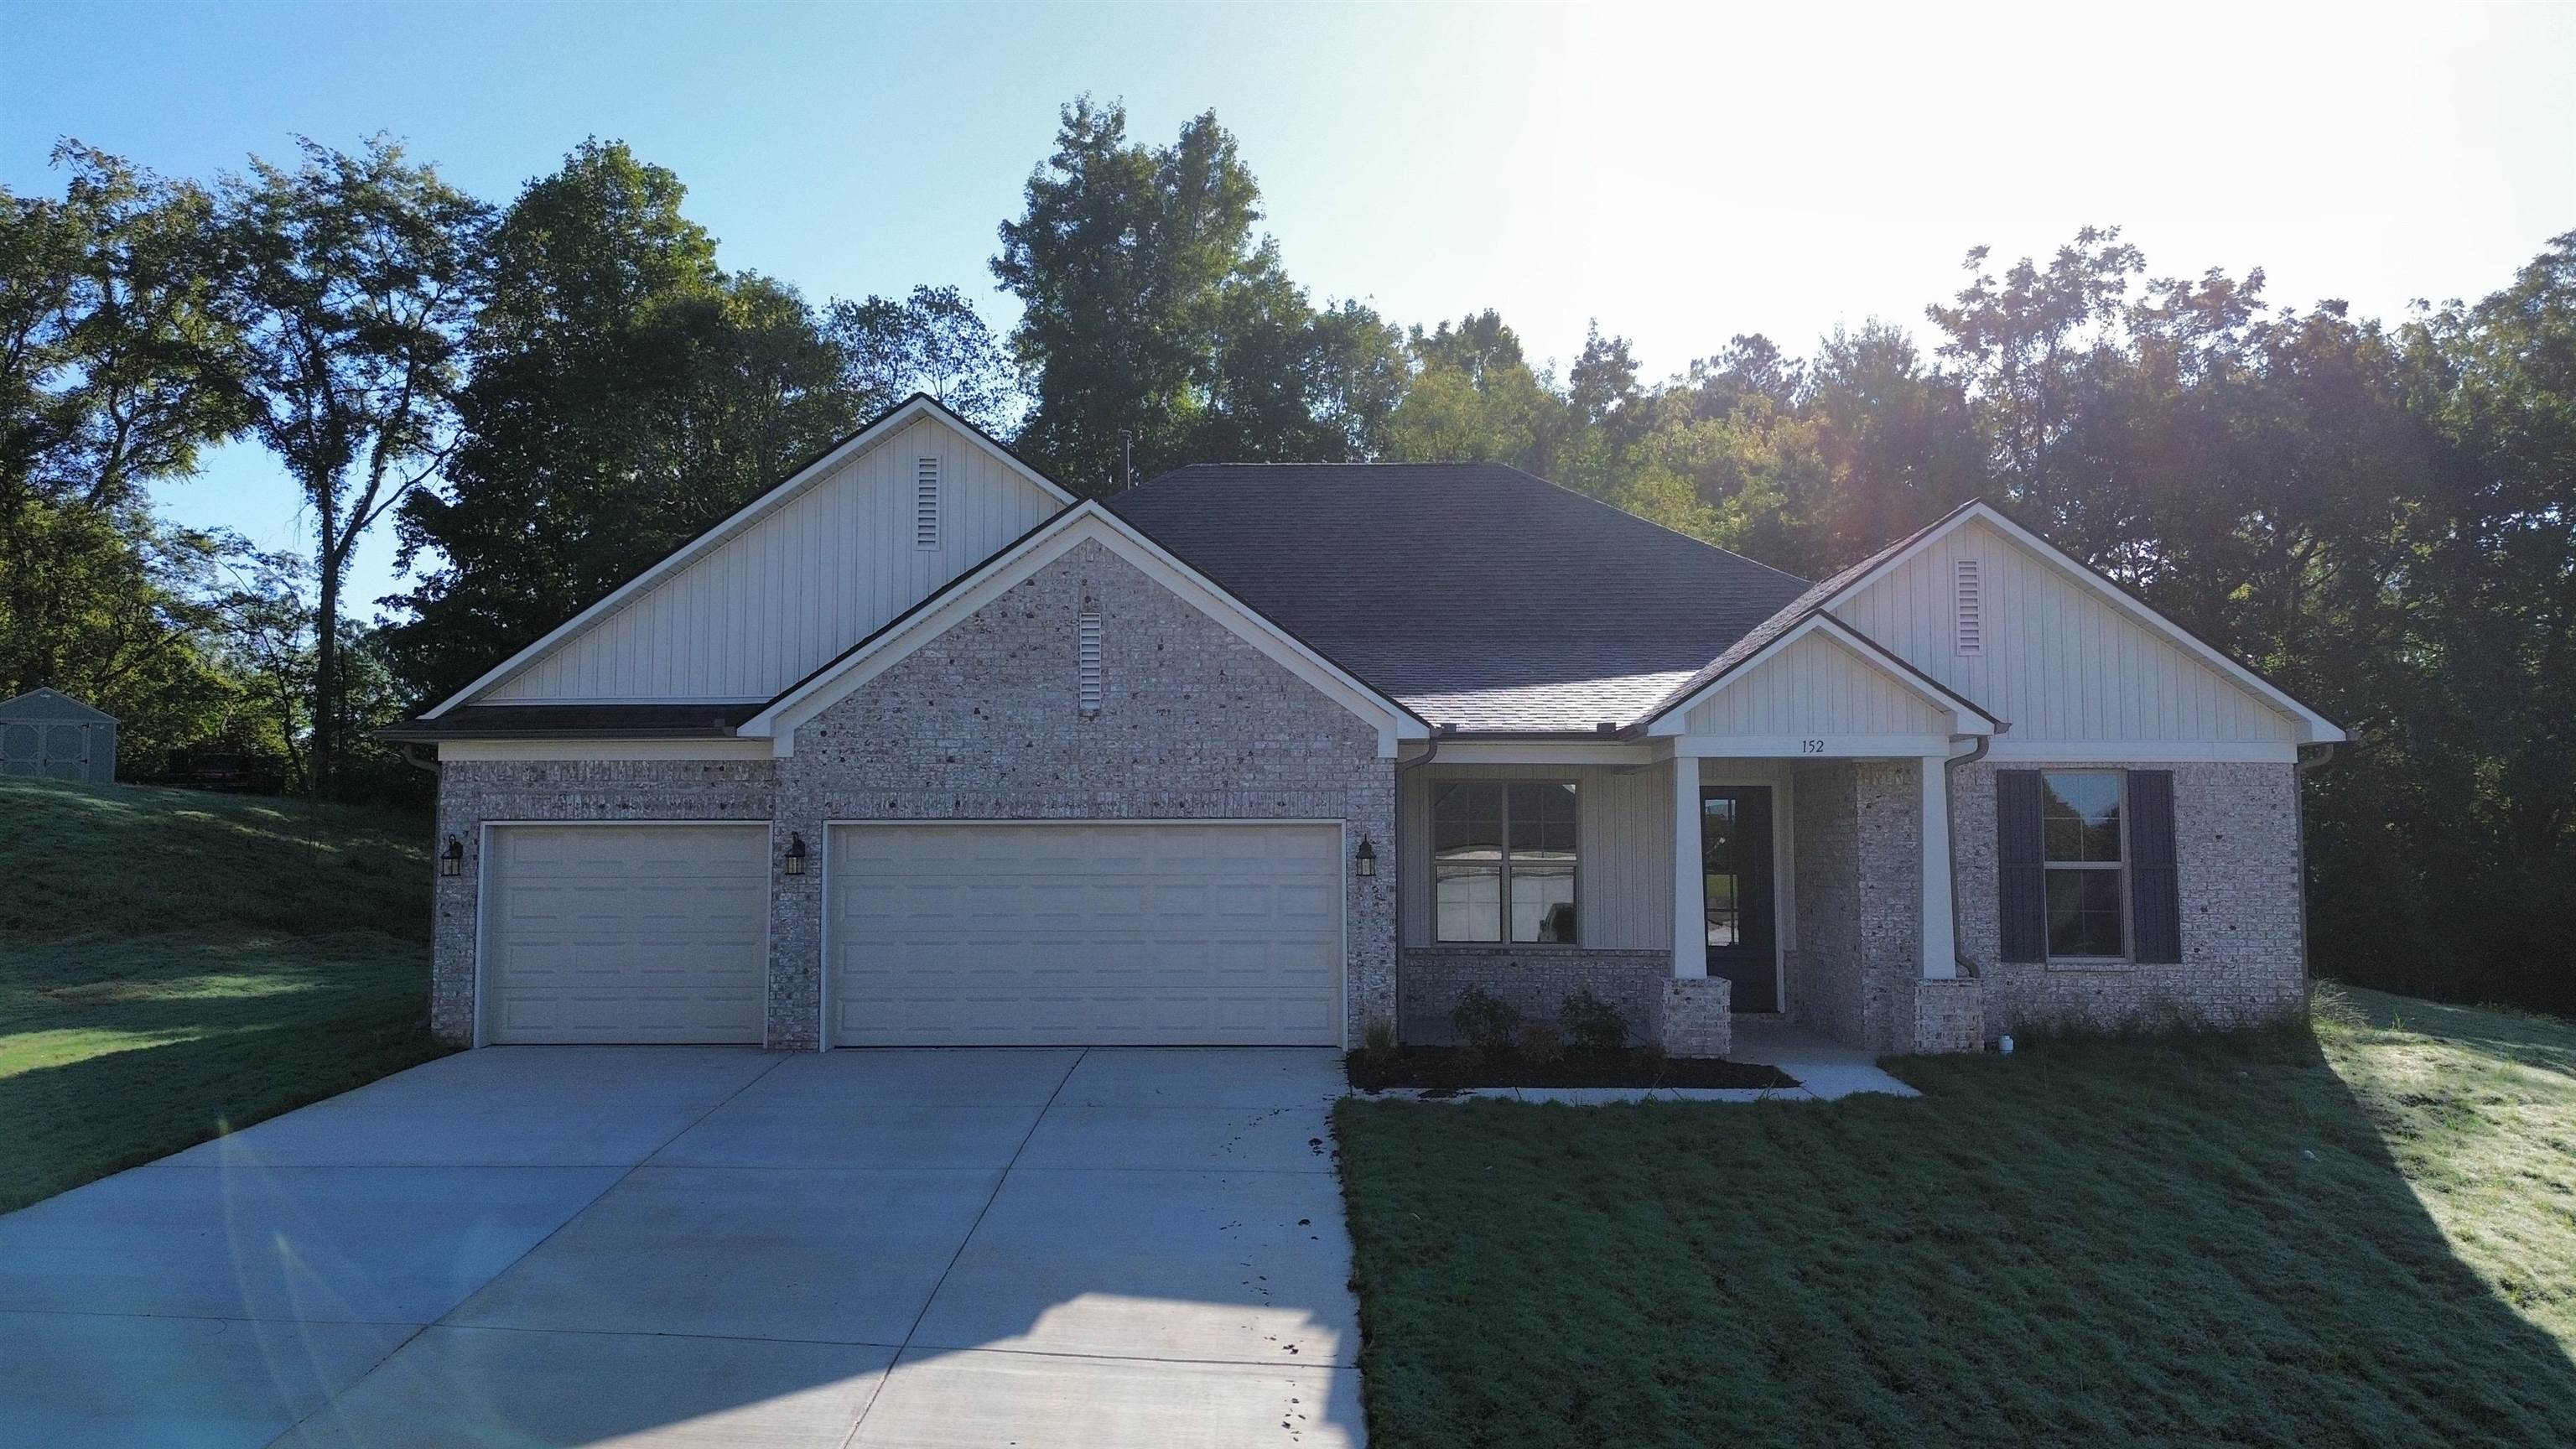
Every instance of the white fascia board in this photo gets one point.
(1086, 522)
(1547, 752)
(1827, 747)
(862, 441)
(2320, 730)
(1964, 719)
(2143, 752)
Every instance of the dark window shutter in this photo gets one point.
(2024, 875)
(2155, 896)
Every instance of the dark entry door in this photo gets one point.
(1735, 876)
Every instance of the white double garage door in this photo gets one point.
(967, 934)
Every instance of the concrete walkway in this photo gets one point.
(678, 1246)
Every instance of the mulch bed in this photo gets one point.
(1454, 1067)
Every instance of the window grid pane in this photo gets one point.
(1503, 861)
(2084, 913)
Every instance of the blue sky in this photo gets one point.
(1680, 173)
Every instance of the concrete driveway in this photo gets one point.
(700, 1246)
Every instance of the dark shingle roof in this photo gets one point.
(1474, 593)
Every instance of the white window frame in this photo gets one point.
(2128, 914)
(1503, 865)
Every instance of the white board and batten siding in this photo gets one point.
(2051, 656)
(1085, 933)
(824, 568)
(1815, 686)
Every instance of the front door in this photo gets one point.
(1735, 876)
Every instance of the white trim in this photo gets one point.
(988, 581)
(698, 749)
(1940, 944)
(2320, 730)
(1828, 747)
(1690, 887)
(913, 410)
(483, 903)
(2142, 752)
(1341, 849)
(1964, 718)
(1637, 753)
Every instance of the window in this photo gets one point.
(1503, 861)
(2084, 843)
(925, 504)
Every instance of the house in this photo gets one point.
(47, 732)
(918, 749)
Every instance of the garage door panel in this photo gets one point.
(1105, 933)
(617, 933)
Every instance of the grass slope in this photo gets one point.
(173, 963)
(2360, 1235)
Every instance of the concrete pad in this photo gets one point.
(1249, 1267)
(480, 1386)
(1206, 1077)
(924, 1077)
(838, 1257)
(977, 1400)
(95, 1381)
(777, 1131)
(318, 1244)
(501, 1107)
(1183, 1139)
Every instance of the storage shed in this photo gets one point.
(47, 732)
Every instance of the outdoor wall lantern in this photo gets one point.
(795, 854)
(1366, 860)
(451, 861)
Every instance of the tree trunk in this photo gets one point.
(326, 662)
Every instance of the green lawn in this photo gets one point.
(173, 963)
(2360, 1235)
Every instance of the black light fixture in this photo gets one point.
(795, 853)
(451, 861)
(1367, 857)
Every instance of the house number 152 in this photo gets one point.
(1811, 747)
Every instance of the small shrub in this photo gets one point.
(1541, 1045)
(1592, 1024)
(1378, 1037)
(1484, 1021)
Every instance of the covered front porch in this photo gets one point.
(1687, 891)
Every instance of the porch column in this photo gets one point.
(1940, 948)
(1690, 912)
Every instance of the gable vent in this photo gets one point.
(1971, 599)
(1087, 630)
(925, 504)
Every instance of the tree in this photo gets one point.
(930, 342)
(352, 278)
(626, 394)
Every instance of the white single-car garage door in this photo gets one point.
(625, 933)
(1091, 933)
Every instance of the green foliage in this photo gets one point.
(932, 342)
(1592, 1024)
(626, 391)
(175, 963)
(1483, 1020)
(1539, 1044)
(2358, 1237)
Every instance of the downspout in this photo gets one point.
(1950, 822)
(1395, 849)
(416, 762)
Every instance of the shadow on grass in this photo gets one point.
(233, 1032)
(2195, 1240)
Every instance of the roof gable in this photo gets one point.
(2068, 656)
(1816, 675)
(793, 576)
(47, 702)
(962, 597)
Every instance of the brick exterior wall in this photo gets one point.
(471, 792)
(1858, 860)
(1696, 1022)
(1535, 980)
(2236, 844)
(984, 723)
(1950, 1015)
